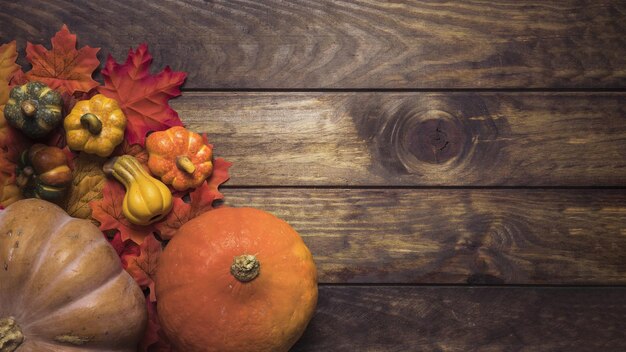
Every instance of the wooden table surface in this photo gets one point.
(456, 167)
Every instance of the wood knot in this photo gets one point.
(431, 138)
(436, 140)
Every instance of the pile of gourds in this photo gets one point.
(232, 279)
(178, 157)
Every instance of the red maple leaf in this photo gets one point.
(108, 212)
(200, 200)
(154, 339)
(12, 142)
(135, 150)
(69, 100)
(63, 68)
(143, 97)
(124, 249)
(7, 168)
(143, 267)
(18, 79)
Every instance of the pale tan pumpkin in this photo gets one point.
(62, 287)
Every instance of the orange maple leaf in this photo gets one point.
(143, 267)
(63, 68)
(11, 141)
(8, 67)
(108, 212)
(143, 97)
(200, 200)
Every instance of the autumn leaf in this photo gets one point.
(18, 79)
(154, 339)
(108, 212)
(143, 267)
(12, 141)
(9, 192)
(219, 176)
(135, 150)
(7, 166)
(200, 200)
(142, 96)
(63, 68)
(8, 67)
(4, 96)
(124, 249)
(87, 184)
(69, 100)
(140, 262)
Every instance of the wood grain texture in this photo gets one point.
(455, 236)
(437, 319)
(351, 44)
(415, 139)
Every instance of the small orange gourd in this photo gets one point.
(235, 279)
(179, 157)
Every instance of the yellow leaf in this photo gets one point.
(8, 55)
(88, 181)
(9, 192)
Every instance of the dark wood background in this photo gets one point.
(456, 167)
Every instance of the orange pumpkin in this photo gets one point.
(179, 157)
(235, 279)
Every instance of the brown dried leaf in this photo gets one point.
(87, 185)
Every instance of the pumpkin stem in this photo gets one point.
(11, 336)
(183, 163)
(24, 176)
(245, 267)
(29, 108)
(107, 168)
(92, 123)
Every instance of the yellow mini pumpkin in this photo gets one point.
(95, 126)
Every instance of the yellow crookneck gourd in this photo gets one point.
(147, 199)
(95, 126)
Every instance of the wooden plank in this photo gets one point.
(351, 44)
(467, 319)
(415, 139)
(455, 236)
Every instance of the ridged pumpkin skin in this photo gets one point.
(44, 172)
(179, 157)
(95, 126)
(64, 284)
(46, 114)
(203, 307)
